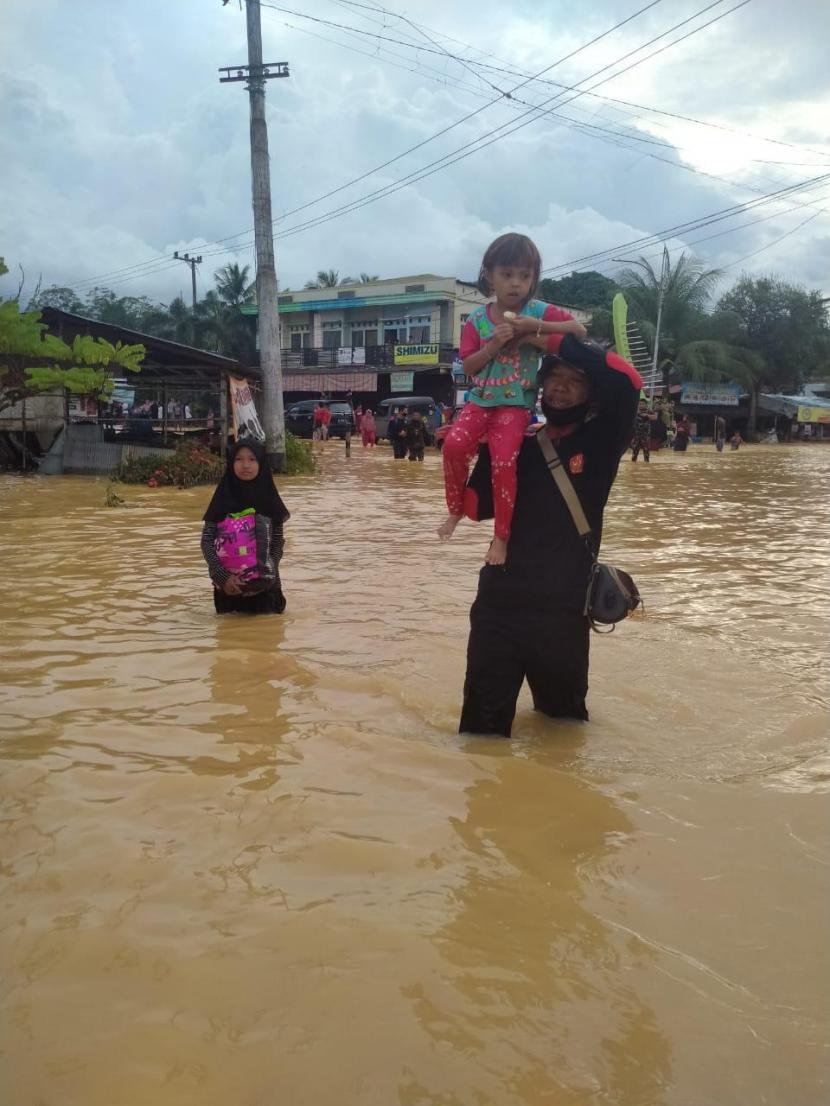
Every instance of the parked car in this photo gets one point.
(424, 404)
(299, 418)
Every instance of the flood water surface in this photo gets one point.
(250, 861)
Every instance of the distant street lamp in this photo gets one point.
(661, 291)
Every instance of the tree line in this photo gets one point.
(763, 333)
(217, 324)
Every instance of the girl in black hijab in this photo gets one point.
(247, 484)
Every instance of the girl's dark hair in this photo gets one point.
(509, 249)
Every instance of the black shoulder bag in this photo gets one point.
(612, 595)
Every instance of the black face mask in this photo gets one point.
(563, 416)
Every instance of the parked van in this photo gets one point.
(424, 404)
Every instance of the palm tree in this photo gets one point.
(368, 278)
(694, 344)
(328, 278)
(233, 286)
(681, 292)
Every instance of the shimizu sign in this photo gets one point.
(417, 355)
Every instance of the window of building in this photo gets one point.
(418, 329)
(332, 339)
(300, 337)
(346, 295)
(415, 288)
(363, 337)
(285, 299)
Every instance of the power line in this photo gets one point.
(608, 265)
(609, 99)
(444, 130)
(774, 242)
(578, 124)
(694, 224)
(480, 144)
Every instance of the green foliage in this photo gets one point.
(786, 325)
(328, 278)
(586, 290)
(32, 360)
(186, 466)
(59, 296)
(687, 293)
(233, 285)
(192, 463)
(687, 344)
(298, 456)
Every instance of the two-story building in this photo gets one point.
(380, 338)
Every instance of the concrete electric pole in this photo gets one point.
(256, 74)
(192, 262)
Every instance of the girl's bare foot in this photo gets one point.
(497, 553)
(447, 527)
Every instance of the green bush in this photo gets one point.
(189, 464)
(298, 456)
(192, 463)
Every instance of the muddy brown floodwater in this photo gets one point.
(250, 862)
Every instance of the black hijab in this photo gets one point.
(234, 495)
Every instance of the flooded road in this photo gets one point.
(249, 861)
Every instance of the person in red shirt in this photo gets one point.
(322, 418)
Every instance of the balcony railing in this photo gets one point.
(342, 359)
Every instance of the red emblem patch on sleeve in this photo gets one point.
(576, 463)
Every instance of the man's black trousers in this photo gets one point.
(506, 647)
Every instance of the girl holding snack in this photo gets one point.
(500, 348)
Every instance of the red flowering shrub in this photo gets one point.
(189, 464)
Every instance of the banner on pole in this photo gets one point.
(246, 422)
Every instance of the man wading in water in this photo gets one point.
(527, 620)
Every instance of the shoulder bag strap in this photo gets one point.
(563, 482)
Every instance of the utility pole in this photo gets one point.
(192, 262)
(256, 74)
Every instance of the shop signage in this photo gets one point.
(417, 355)
(715, 395)
(813, 414)
(401, 382)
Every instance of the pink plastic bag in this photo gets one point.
(242, 546)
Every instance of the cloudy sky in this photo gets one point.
(119, 145)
